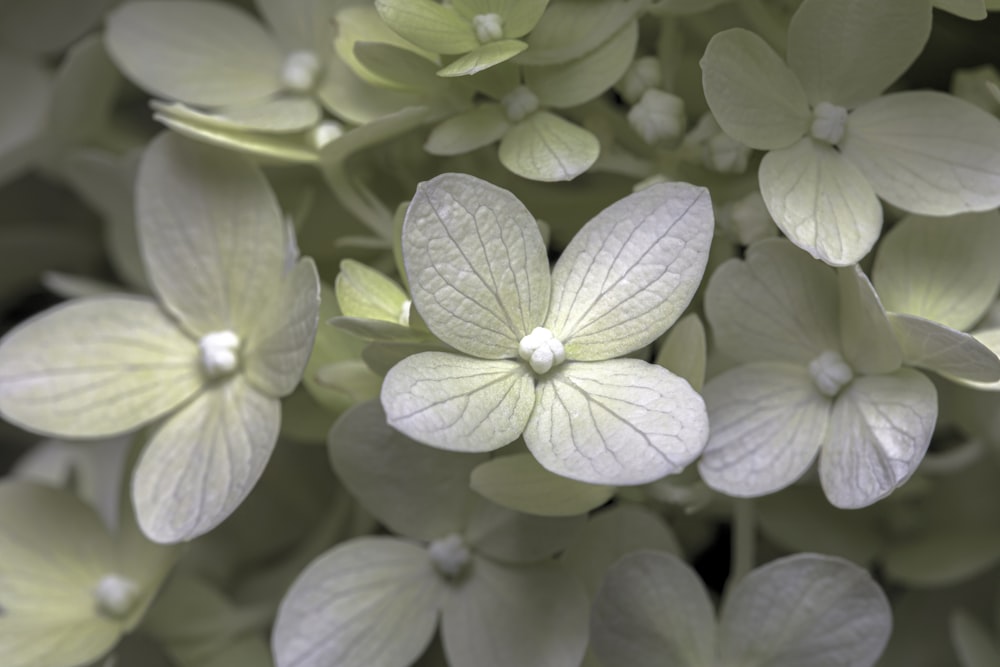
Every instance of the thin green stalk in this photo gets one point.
(744, 540)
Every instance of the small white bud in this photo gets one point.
(719, 152)
(747, 219)
(449, 555)
(115, 595)
(659, 118)
(219, 353)
(829, 123)
(300, 71)
(488, 27)
(325, 132)
(518, 103)
(644, 73)
(830, 373)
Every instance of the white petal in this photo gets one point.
(547, 147)
(867, 337)
(767, 421)
(615, 422)
(202, 462)
(938, 348)
(879, 431)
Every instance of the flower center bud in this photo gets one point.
(115, 595)
(830, 372)
(488, 27)
(450, 555)
(219, 353)
(300, 71)
(541, 350)
(518, 103)
(644, 73)
(325, 132)
(829, 123)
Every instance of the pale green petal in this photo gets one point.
(397, 68)
(927, 152)
(768, 421)
(349, 97)
(211, 234)
(631, 271)
(848, 51)
(369, 601)
(458, 403)
(610, 534)
(944, 350)
(366, 292)
(991, 339)
(753, 95)
(944, 558)
(973, 10)
(47, 26)
(202, 461)
(581, 80)
(417, 491)
(476, 264)
(973, 643)
(380, 330)
(278, 345)
(942, 270)
(96, 367)
(468, 131)
(821, 201)
(24, 113)
(520, 483)
(805, 609)
(547, 147)
(616, 422)
(483, 57)
(196, 52)
(684, 350)
(53, 552)
(879, 431)
(86, 89)
(511, 537)
(867, 337)
(504, 615)
(429, 25)
(277, 114)
(652, 610)
(519, 16)
(777, 304)
(300, 24)
(570, 29)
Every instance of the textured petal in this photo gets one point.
(768, 421)
(684, 351)
(546, 147)
(777, 304)
(429, 25)
(879, 431)
(615, 422)
(96, 367)
(631, 271)
(476, 265)
(753, 95)
(369, 601)
(201, 53)
(805, 609)
(927, 152)
(944, 350)
(468, 131)
(202, 462)
(483, 57)
(821, 201)
(458, 403)
(867, 337)
(211, 234)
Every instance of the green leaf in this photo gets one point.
(848, 51)
(211, 233)
(511, 537)
(630, 272)
(24, 115)
(96, 367)
(195, 52)
(459, 403)
(573, 83)
(752, 93)
(429, 25)
(520, 483)
(867, 337)
(570, 29)
(203, 460)
(776, 305)
(941, 270)
(944, 350)
(547, 147)
(504, 615)
(805, 609)
(768, 423)
(278, 346)
(927, 152)
(468, 130)
(612, 533)
(477, 267)
(615, 422)
(54, 551)
(821, 201)
(972, 642)
(483, 57)
(417, 491)
(684, 351)
(329, 614)
(652, 610)
(879, 431)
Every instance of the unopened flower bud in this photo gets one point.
(659, 118)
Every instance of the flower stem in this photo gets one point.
(744, 540)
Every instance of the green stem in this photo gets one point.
(744, 540)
